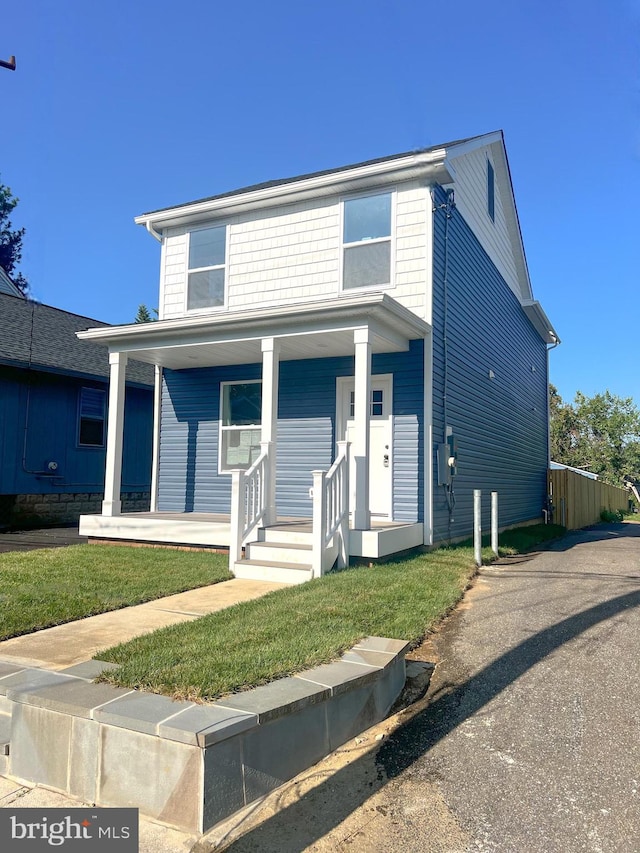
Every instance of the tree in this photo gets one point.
(144, 315)
(599, 433)
(10, 239)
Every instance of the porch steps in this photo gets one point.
(276, 552)
(281, 554)
(264, 570)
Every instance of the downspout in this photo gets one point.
(547, 511)
(156, 234)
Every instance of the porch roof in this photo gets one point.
(305, 330)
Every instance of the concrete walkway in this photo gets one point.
(74, 642)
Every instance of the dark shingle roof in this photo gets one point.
(267, 184)
(44, 337)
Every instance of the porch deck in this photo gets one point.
(213, 530)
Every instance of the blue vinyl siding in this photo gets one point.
(39, 424)
(500, 423)
(188, 475)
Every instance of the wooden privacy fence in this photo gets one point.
(579, 500)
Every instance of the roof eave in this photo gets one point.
(540, 321)
(430, 166)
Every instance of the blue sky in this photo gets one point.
(120, 108)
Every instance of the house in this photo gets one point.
(7, 285)
(53, 409)
(342, 358)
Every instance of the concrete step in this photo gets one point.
(264, 570)
(291, 535)
(279, 552)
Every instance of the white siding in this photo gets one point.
(471, 200)
(293, 253)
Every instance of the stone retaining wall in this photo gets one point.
(185, 764)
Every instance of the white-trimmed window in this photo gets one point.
(91, 417)
(206, 274)
(240, 424)
(366, 241)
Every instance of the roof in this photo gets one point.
(42, 337)
(290, 180)
(560, 466)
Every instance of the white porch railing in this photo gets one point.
(331, 514)
(249, 501)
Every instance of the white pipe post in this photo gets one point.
(319, 523)
(477, 526)
(494, 522)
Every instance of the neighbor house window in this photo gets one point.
(91, 417)
(366, 241)
(240, 419)
(207, 258)
(491, 192)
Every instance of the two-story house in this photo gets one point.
(341, 359)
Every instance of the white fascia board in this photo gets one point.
(299, 318)
(477, 142)
(540, 321)
(430, 165)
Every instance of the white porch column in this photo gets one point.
(269, 431)
(362, 397)
(111, 505)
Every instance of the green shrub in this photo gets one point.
(611, 515)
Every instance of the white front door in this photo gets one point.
(380, 440)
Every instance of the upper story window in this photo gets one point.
(366, 240)
(491, 192)
(91, 417)
(206, 275)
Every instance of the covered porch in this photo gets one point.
(338, 522)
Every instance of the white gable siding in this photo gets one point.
(293, 253)
(471, 200)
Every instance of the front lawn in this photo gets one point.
(295, 628)
(47, 587)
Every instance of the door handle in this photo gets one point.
(385, 459)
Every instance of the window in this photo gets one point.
(207, 258)
(240, 420)
(376, 403)
(91, 411)
(491, 192)
(366, 241)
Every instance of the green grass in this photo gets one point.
(298, 627)
(42, 588)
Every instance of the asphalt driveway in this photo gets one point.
(48, 537)
(529, 740)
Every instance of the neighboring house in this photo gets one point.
(559, 466)
(366, 304)
(7, 285)
(53, 409)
